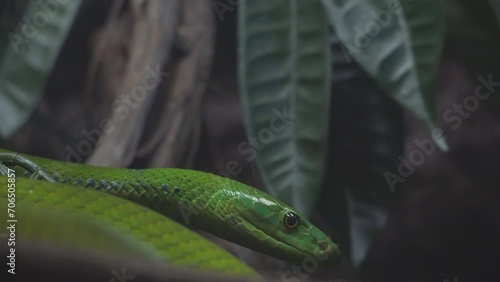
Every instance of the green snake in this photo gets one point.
(223, 207)
(60, 214)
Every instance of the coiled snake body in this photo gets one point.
(224, 207)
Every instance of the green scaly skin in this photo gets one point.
(72, 216)
(224, 207)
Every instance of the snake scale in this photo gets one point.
(223, 207)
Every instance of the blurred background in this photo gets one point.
(377, 119)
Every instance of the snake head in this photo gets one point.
(274, 228)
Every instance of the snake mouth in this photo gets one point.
(261, 241)
(323, 251)
(288, 252)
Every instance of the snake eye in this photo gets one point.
(291, 220)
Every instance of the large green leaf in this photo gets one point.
(399, 44)
(285, 86)
(29, 57)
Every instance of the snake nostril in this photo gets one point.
(323, 245)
